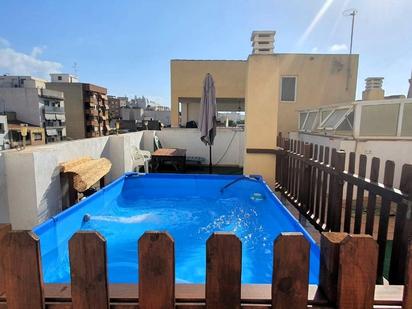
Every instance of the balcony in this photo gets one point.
(53, 109)
(92, 112)
(52, 94)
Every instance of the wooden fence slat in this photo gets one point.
(330, 213)
(358, 258)
(290, 271)
(324, 189)
(384, 216)
(329, 263)
(403, 229)
(407, 290)
(336, 199)
(318, 184)
(359, 196)
(371, 206)
(88, 268)
(349, 194)
(24, 284)
(156, 271)
(313, 179)
(223, 271)
(4, 230)
(305, 184)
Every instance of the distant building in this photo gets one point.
(34, 104)
(35, 135)
(114, 107)
(4, 130)
(87, 109)
(63, 78)
(140, 102)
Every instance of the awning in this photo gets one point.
(51, 132)
(61, 117)
(50, 116)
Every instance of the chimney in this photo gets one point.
(410, 88)
(373, 89)
(262, 42)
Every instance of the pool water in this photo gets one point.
(190, 208)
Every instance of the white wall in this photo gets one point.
(3, 123)
(398, 151)
(229, 140)
(30, 186)
(24, 101)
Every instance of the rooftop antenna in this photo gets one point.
(350, 12)
(75, 68)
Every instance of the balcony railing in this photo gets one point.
(53, 109)
(47, 93)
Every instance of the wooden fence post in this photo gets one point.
(330, 213)
(88, 269)
(290, 271)
(329, 263)
(304, 186)
(156, 271)
(4, 230)
(407, 289)
(286, 166)
(223, 271)
(371, 206)
(403, 229)
(359, 196)
(384, 217)
(358, 260)
(335, 200)
(24, 284)
(349, 194)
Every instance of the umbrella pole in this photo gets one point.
(210, 159)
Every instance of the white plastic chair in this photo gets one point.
(140, 158)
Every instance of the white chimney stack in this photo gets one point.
(373, 89)
(263, 42)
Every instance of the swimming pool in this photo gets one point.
(190, 208)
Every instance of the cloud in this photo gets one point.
(338, 48)
(315, 50)
(17, 63)
(315, 21)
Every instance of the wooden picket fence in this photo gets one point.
(314, 178)
(347, 275)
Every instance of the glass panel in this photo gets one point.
(407, 120)
(302, 117)
(288, 89)
(310, 121)
(334, 118)
(323, 115)
(379, 120)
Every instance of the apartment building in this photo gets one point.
(269, 87)
(34, 104)
(86, 106)
(114, 107)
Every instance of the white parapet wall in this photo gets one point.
(30, 187)
(228, 148)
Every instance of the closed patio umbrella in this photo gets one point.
(208, 115)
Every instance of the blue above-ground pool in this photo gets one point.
(190, 208)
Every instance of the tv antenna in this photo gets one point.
(75, 68)
(351, 12)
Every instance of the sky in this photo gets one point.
(126, 46)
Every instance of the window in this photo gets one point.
(59, 78)
(1, 128)
(334, 119)
(310, 121)
(288, 89)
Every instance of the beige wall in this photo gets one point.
(187, 79)
(73, 108)
(261, 113)
(321, 80)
